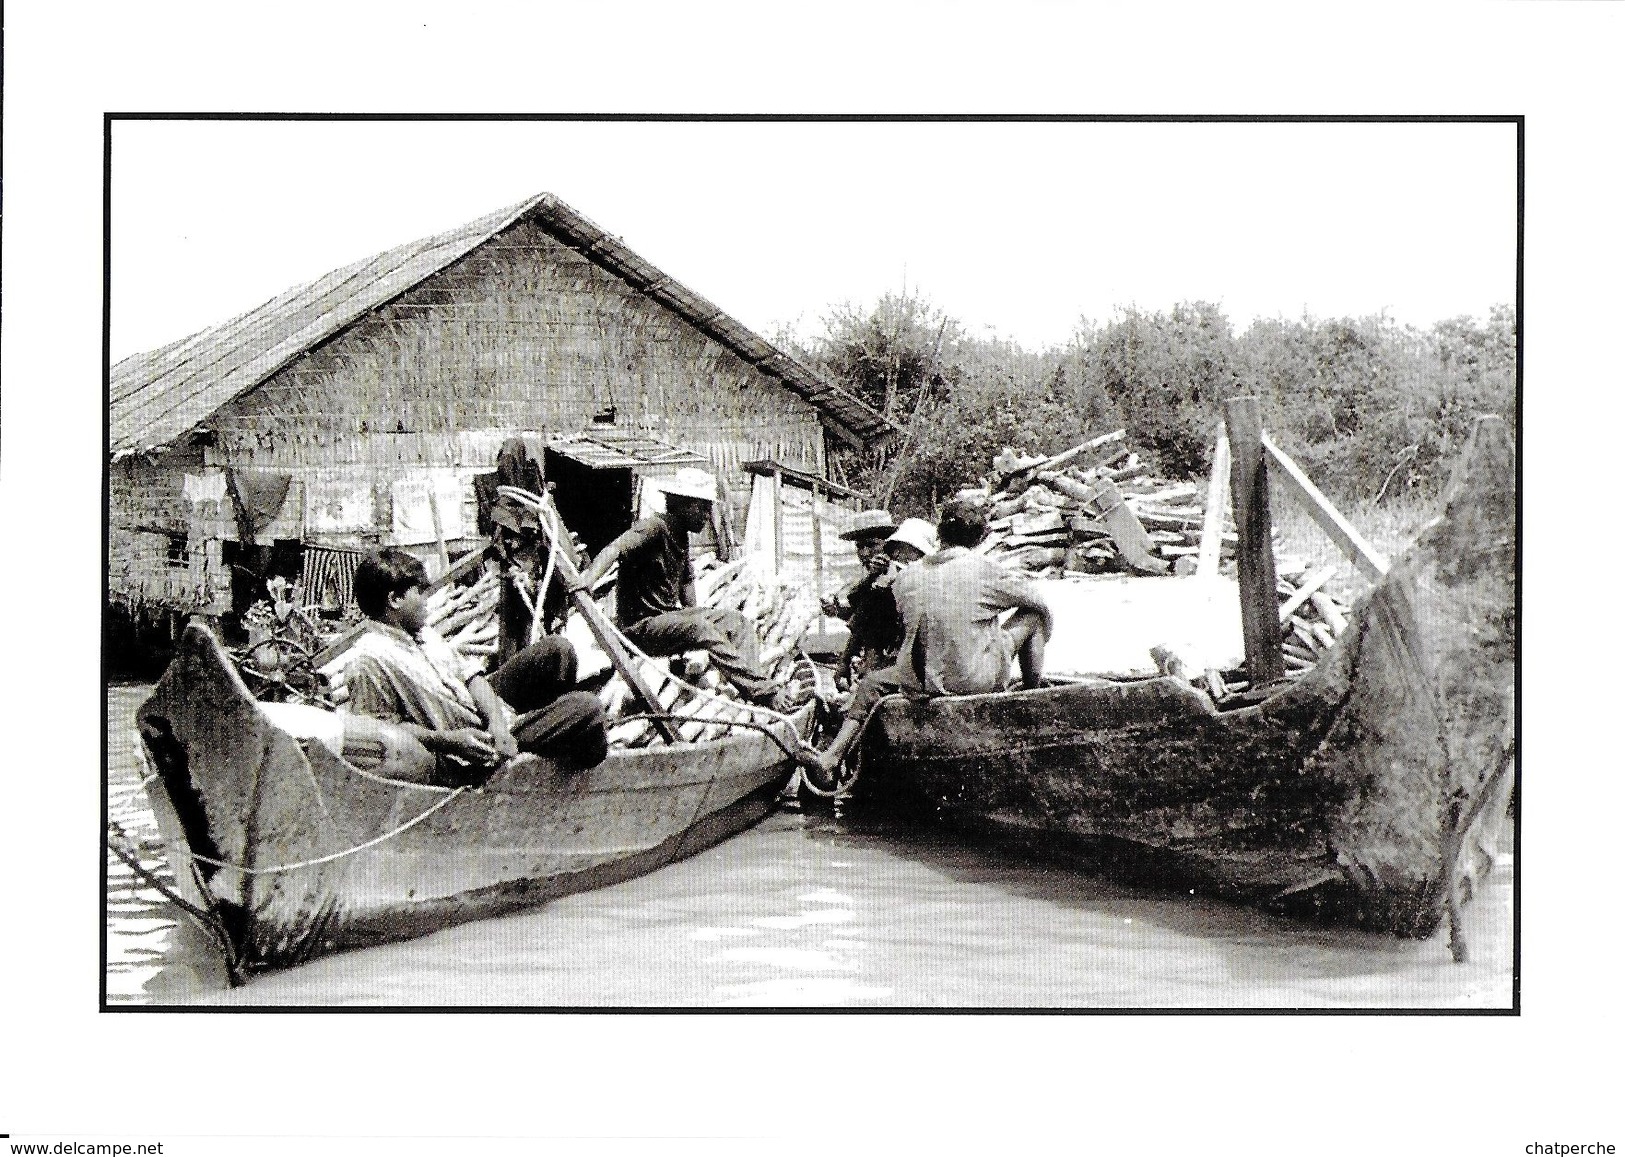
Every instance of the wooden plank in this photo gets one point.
(1329, 611)
(778, 521)
(1372, 563)
(1307, 591)
(1218, 497)
(439, 534)
(818, 550)
(1255, 554)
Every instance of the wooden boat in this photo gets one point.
(287, 850)
(1366, 792)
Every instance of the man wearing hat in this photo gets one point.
(953, 640)
(654, 598)
(874, 629)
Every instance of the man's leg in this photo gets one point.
(537, 675)
(571, 728)
(725, 634)
(871, 689)
(1027, 637)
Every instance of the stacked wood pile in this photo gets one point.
(1312, 618)
(1053, 517)
(691, 688)
(705, 703)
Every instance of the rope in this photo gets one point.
(544, 507)
(206, 921)
(749, 725)
(376, 840)
(843, 787)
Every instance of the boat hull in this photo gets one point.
(324, 855)
(1368, 792)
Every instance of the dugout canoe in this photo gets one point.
(1367, 792)
(286, 851)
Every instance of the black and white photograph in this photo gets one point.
(942, 602)
(501, 619)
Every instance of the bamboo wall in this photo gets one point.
(523, 335)
(164, 537)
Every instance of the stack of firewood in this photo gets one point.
(707, 705)
(1053, 517)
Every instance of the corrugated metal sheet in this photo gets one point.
(158, 396)
(624, 450)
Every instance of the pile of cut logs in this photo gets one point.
(688, 686)
(706, 704)
(1061, 514)
(1096, 509)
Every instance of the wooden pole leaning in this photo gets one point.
(1255, 554)
(1340, 530)
(593, 614)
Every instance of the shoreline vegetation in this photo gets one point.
(1374, 410)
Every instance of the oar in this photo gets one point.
(593, 614)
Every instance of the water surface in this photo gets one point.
(806, 911)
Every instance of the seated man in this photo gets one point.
(402, 671)
(953, 641)
(874, 629)
(654, 598)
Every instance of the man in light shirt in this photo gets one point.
(953, 640)
(402, 671)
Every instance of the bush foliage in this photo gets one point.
(1372, 409)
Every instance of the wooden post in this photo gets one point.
(439, 534)
(1255, 555)
(778, 521)
(818, 551)
(1218, 493)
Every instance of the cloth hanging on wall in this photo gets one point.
(328, 576)
(209, 487)
(258, 496)
(412, 521)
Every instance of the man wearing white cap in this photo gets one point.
(953, 640)
(655, 593)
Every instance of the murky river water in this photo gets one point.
(805, 911)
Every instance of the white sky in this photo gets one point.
(1017, 229)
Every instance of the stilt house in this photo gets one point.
(354, 411)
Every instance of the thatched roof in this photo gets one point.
(158, 396)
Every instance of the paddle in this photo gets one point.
(600, 626)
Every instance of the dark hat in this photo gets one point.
(869, 524)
